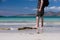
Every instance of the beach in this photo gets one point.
(9, 29)
(18, 19)
(22, 36)
(49, 33)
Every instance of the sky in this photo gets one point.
(16, 7)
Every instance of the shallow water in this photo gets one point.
(28, 21)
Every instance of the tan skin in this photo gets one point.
(41, 4)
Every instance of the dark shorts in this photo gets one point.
(40, 14)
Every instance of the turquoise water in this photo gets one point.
(28, 19)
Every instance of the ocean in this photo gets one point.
(28, 21)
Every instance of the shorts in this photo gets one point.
(40, 14)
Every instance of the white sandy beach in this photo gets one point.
(23, 36)
(50, 33)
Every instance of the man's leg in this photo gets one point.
(42, 21)
(37, 23)
(41, 25)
